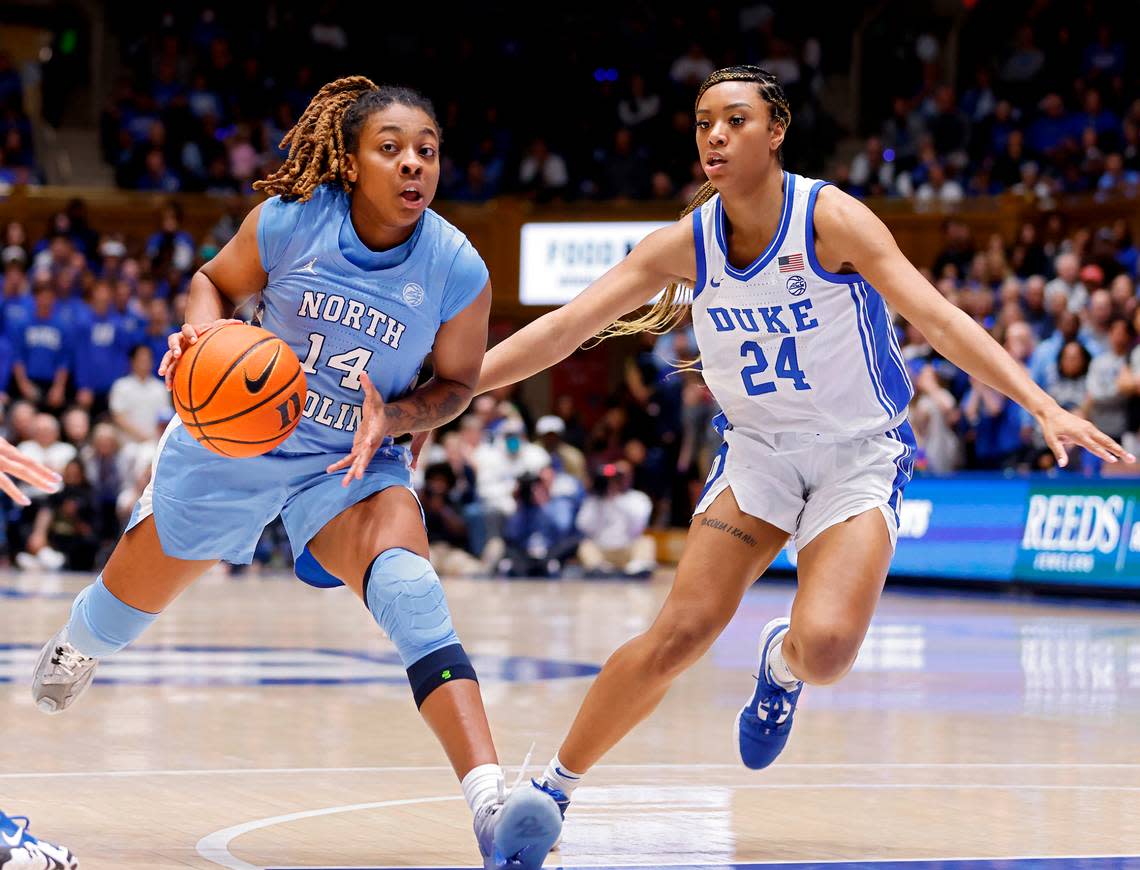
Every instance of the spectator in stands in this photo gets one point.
(613, 520)
(564, 457)
(102, 465)
(542, 173)
(996, 426)
(139, 399)
(538, 534)
(1067, 267)
(691, 68)
(102, 346)
(446, 527)
(939, 188)
(1070, 387)
(499, 464)
(63, 533)
(159, 325)
(42, 354)
(639, 109)
(934, 414)
(1106, 404)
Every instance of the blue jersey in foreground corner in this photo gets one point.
(346, 309)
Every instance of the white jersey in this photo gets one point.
(787, 346)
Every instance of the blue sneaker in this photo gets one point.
(519, 832)
(763, 726)
(557, 794)
(19, 850)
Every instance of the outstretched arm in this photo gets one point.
(848, 234)
(663, 257)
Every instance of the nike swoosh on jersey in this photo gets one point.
(255, 385)
(714, 283)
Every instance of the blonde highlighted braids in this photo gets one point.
(329, 130)
(670, 309)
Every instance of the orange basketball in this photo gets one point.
(239, 390)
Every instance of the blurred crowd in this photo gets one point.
(205, 94)
(84, 321)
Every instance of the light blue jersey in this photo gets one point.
(345, 309)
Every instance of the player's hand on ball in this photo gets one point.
(1061, 427)
(370, 434)
(178, 342)
(15, 463)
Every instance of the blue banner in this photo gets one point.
(1038, 529)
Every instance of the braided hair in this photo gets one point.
(329, 130)
(675, 301)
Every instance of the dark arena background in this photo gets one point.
(992, 716)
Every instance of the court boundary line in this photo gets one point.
(214, 847)
(442, 768)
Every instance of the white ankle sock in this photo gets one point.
(778, 668)
(562, 779)
(481, 786)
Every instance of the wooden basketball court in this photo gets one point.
(264, 724)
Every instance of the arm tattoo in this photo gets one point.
(722, 526)
(430, 405)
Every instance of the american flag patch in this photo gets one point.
(791, 263)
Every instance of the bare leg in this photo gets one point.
(346, 547)
(140, 574)
(725, 552)
(841, 576)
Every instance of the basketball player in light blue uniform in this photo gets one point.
(788, 279)
(363, 282)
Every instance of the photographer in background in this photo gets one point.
(612, 521)
(539, 535)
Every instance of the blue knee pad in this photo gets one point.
(101, 624)
(405, 597)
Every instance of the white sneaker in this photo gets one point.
(28, 562)
(62, 673)
(51, 559)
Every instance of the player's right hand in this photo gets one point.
(13, 462)
(178, 343)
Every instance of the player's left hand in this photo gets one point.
(370, 434)
(1060, 427)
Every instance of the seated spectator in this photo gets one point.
(42, 354)
(140, 398)
(564, 457)
(1071, 384)
(1067, 267)
(691, 68)
(997, 426)
(934, 414)
(499, 464)
(542, 173)
(613, 520)
(1106, 404)
(938, 188)
(63, 534)
(446, 528)
(639, 108)
(103, 467)
(102, 345)
(44, 447)
(537, 536)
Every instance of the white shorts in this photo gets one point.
(804, 483)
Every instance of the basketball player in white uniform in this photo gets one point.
(788, 278)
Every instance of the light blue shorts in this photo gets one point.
(207, 506)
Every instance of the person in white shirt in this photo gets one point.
(45, 447)
(139, 399)
(613, 520)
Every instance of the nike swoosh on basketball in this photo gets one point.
(255, 385)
